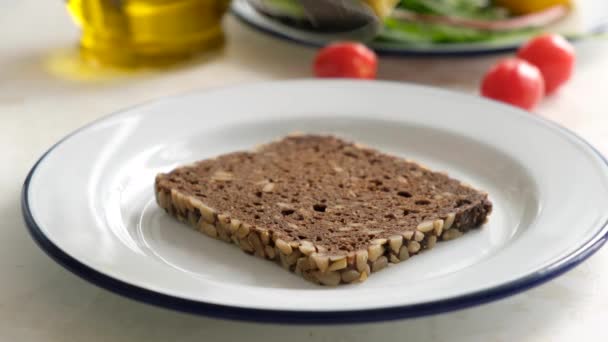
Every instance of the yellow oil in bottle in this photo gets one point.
(131, 33)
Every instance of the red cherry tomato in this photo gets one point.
(514, 81)
(351, 60)
(553, 55)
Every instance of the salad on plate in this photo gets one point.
(420, 22)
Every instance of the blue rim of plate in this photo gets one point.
(404, 52)
(558, 267)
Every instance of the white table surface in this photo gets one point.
(40, 103)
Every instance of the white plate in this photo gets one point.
(89, 200)
(587, 18)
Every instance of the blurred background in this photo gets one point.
(66, 63)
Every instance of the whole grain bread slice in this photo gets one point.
(330, 210)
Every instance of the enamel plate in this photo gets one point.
(89, 201)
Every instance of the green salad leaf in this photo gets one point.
(472, 9)
(418, 32)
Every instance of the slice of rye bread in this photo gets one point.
(329, 210)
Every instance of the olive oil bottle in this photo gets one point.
(132, 33)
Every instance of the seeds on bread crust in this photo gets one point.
(243, 230)
(413, 247)
(269, 251)
(328, 278)
(307, 248)
(322, 261)
(451, 234)
(404, 254)
(430, 243)
(337, 265)
(395, 242)
(408, 235)
(374, 252)
(348, 276)
(438, 227)
(283, 246)
(449, 220)
(361, 260)
(208, 229)
(379, 264)
(425, 226)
